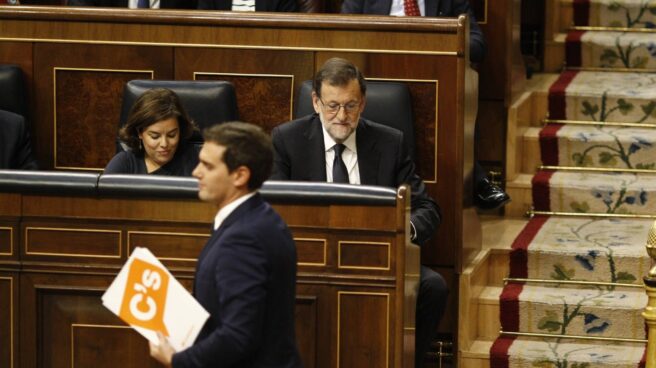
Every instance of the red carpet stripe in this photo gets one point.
(499, 352)
(549, 144)
(557, 102)
(509, 307)
(519, 253)
(573, 48)
(581, 12)
(541, 197)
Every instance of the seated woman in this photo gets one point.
(156, 132)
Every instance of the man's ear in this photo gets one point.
(316, 102)
(241, 176)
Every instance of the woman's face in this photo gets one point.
(160, 140)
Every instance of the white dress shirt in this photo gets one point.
(349, 156)
(397, 8)
(227, 210)
(154, 4)
(243, 5)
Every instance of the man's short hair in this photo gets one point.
(246, 145)
(338, 72)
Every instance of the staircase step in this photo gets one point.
(535, 352)
(477, 355)
(614, 13)
(593, 192)
(604, 49)
(519, 190)
(598, 146)
(604, 96)
(580, 311)
(584, 249)
(488, 313)
(531, 150)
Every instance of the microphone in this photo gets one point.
(651, 248)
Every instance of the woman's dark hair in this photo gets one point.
(152, 106)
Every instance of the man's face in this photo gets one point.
(339, 108)
(215, 184)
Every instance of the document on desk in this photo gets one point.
(146, 296)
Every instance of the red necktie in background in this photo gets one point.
(411, 8)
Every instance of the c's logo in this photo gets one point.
(144, 299)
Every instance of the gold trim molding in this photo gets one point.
(339, 255)
(575, 337)
(598, 123)
(120, 242)
(54, 106)
(11, 241)
(592, 214)
(325, 252)
(228, 46)
(569, 282)
(597, 169)
(387, 320)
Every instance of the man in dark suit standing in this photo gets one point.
(486, 194)
(15, 147)
(154, 4)
(336, 145)
(246, 273)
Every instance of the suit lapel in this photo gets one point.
(315, 161)
(368, 157)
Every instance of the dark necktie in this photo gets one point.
(143, 3)
(340, 175)
(411, 8)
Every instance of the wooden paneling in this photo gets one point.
(359, 347)
(79, 89)
(364, 256)
(168, 245)
(6, 239)
(95, 346)
(306, 329)
(7, 321)
(265, 80)
(311, 252)
(72, 242)
(98, 93)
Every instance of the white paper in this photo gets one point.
(181, 315)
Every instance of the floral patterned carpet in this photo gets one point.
(575, 295)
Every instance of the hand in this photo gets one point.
(163, 352)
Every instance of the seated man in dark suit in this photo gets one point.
(15, 147)
(336, 145)
(250, 5)
(486, 194)
(133, 4)
(246, 273)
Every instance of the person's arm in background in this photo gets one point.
(281, 163)
(477, 44)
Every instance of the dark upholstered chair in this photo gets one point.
(13, 94)
(206, 102)
(388, 103)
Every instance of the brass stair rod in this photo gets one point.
(650, 311)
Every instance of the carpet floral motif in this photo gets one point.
(612, 96)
